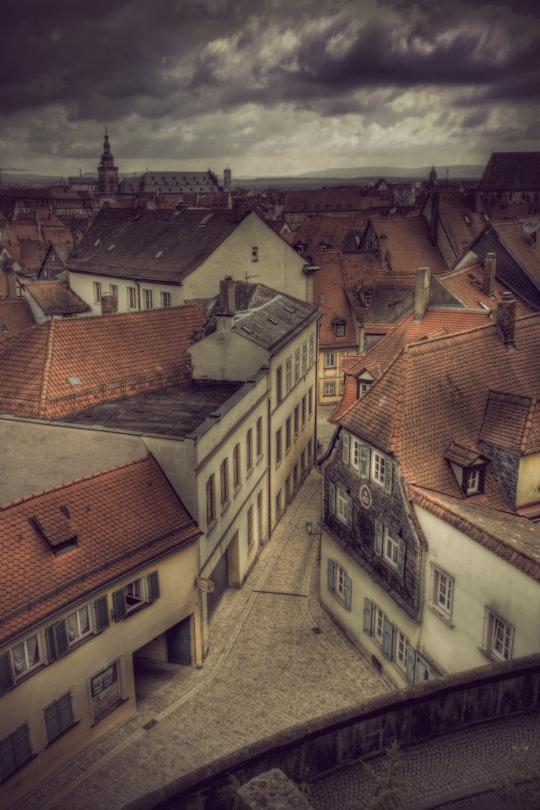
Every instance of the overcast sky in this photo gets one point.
(266, 87)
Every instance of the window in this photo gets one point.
(498, 637)
(288, 434)
(58, 717)
(113, 289)
(288, 374)
(135, 594)
(259, 437)
(330, 360)
(402, 650)
(147, 299)
(362, 387)
(340, 329)
(279, 384)
(97, 292)
(25, 657)
(340, 504)
(260, 516)
(442, 591)
(390, 548)
(311, 349)
(224, 480)
(473, 479)
(105, 690)
(310, 401)
(132, 298)
(249, 449)
(237, 470)
(304, 404)
(78, 624)
(339, 583)
(15, 751)
(381, 470)
(210, 500)
(296, 422)
(329, 389)
(279, 449)
(304, 357)
(296, 365)
(165, 300)
(255, 254)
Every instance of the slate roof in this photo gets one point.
(514, 538)
(273, 318)
(320, 233)
(151, 245)
(56, 298)
(166, 182)
(509, 171)
(35, 584)
(15, 317)
(68, 364)
(518, 261)
(436, 391)
(459, 223)
(335, 198)
(512, 421)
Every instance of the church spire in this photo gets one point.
(107, 171)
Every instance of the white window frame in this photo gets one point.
(343, 506)
(97, 292)
(132, 297)
(77, 626)
(28, 654)
(113, 289)
(442, 591)
(391, 549)
(378, 624)
(330, 360)
(329, 388)
(402, 649)
(378, 463)
(498, 636)
(288, 374)
(472, 480)
(311, 349)
(148, 298)
(105, 688)
(165, 299)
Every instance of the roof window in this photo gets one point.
(73, 381)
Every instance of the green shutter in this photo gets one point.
(119, 604)
(153, 586)
(57, 640)
(65, 712)
(330, 576)
(364, 461)
(332, 498)
(388, 639)
(51, 722)
(6, 675)
(388, 475)
(378, 538)
(401, 558)
(101, 613)
(368, 608)
(346, 444)
(411, 664)
(348, 592)
(22, 750)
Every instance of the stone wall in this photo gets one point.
(419, 713)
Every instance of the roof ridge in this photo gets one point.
(528, 424)
(75, 481)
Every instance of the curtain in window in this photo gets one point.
(19, 658)
(73, 628)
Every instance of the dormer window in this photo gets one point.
(340, 328)
(469, 468)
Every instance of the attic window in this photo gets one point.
(247, 329)
(74, 381)
(158, 254)
(272, 320)
(468, 220)
(289, 309)
(57, 528)
(111, 247)
(340, 328)
(3, 325)
(469, 468)
(96, 243)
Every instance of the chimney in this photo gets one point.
(506, 318)
(421, 293)
(383, 248)
(109, 303)
(227, 295)
(488, 280)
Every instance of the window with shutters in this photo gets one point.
(339, 583)
(296, 365)
(249, 449)
(26, 656)
(224, 479)
(210, 500)
(135, 595)
(343, 506)
(390, 548)
(59, 717)
(15, 751)
(259, 437)
(288, 374)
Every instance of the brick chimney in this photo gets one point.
(488, 280)
(506, 318)
(383, 248)
(421, 292)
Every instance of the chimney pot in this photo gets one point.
(488, 280)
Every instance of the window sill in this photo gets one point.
(225, 507)
(494, 659)
(440, 614)
(62, 734)
(106, 712)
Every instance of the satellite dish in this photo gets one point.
(531, 225)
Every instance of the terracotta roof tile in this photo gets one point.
(34, 583)
(56, 298)
(329, 294)
(513, 422)
(466, 284)
(66, 365)
(17, 316)
(435, 392)
(409, 246)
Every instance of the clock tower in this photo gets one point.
(107, 171)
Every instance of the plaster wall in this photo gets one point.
(481, 580)
(528, 488)
(83, 285)
(226, 355)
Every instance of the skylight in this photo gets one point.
(74, 381)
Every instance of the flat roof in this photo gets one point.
(178, 411)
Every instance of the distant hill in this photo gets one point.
(461, 171)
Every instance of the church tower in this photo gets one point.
(107, 171)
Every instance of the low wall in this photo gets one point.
(417, 713)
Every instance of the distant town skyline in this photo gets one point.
(265, 87)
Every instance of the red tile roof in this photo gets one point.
(409, 246)
(466, 285)
(56, 298)
(330, 232)
(34, 583)
(436, 391)
(70, 364)
(329, 294)
(17, 315)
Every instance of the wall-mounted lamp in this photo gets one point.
(313, 529)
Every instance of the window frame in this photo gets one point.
(165, 299)
(16, 746)
(148, 298)
(237, 466)
(330, 359)
(329, 389)
(135, 595)
(224, 482)
(442, 592)
(210, 499)
(132, 297)
(96, 286)
(497, 648)
(259, 437)
(249, 449)
(279, 446)
(339, 583)
(60, 713)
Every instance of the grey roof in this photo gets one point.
(270, 318)
(508, 271)
(39, 455)
(512, 171)
(153, 245)
(180, 411)
(177, 182)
